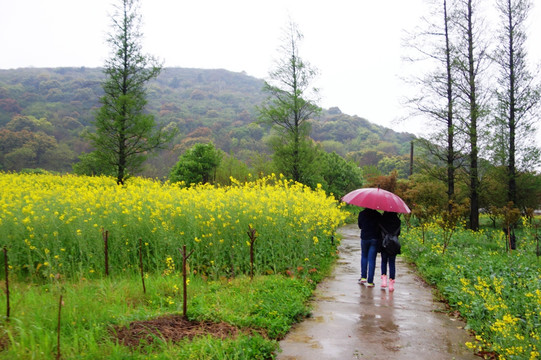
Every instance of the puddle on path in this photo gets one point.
(350, 321)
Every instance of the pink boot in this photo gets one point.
(383, 281)
(391, 284)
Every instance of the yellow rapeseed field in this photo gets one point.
(54, 225)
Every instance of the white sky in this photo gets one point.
(355, 44)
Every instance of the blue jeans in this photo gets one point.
(385, 258)
(368, 259)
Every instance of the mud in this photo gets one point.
(172, 328)
(351, 321)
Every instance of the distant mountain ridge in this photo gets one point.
(205, 105)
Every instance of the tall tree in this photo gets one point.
(471, 62)
(437, 99)
(517, 94)
(291, 103)
(124, 132)
(451, 154)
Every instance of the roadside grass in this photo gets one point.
(263, 308)
(496, 290)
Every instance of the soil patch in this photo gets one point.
(172, 328)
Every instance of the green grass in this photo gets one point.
(497, 291)
(265, 307)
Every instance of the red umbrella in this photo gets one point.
(377, 199)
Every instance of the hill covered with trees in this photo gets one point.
(45, 111)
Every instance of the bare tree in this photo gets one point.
(437, 97)
(517, 94)
(471, 62)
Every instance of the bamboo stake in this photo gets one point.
(537, 249)
(105, 235)
(58, 354)
(6, 267)
(184, 278)
(141, 264)
(253, 236)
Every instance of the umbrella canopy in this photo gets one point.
(377, 199)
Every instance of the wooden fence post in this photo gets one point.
(58, 354)
(6, 267)
(141, 264)
(253, 236)
(105, 235)
(184, 278)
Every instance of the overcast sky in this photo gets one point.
(355, 44)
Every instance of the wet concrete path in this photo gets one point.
(350, 321)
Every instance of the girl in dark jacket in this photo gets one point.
(368, 222)
(391, 223)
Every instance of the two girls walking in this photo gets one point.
(371, 223)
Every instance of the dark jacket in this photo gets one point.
(368, 223)
(391, 222)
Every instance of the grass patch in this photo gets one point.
(96, 311)
(497, 291)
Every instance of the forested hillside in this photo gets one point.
(44, 112)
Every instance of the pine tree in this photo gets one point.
(125, 134)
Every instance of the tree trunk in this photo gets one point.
(450, 125)
(512, 190)
(474, 114)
